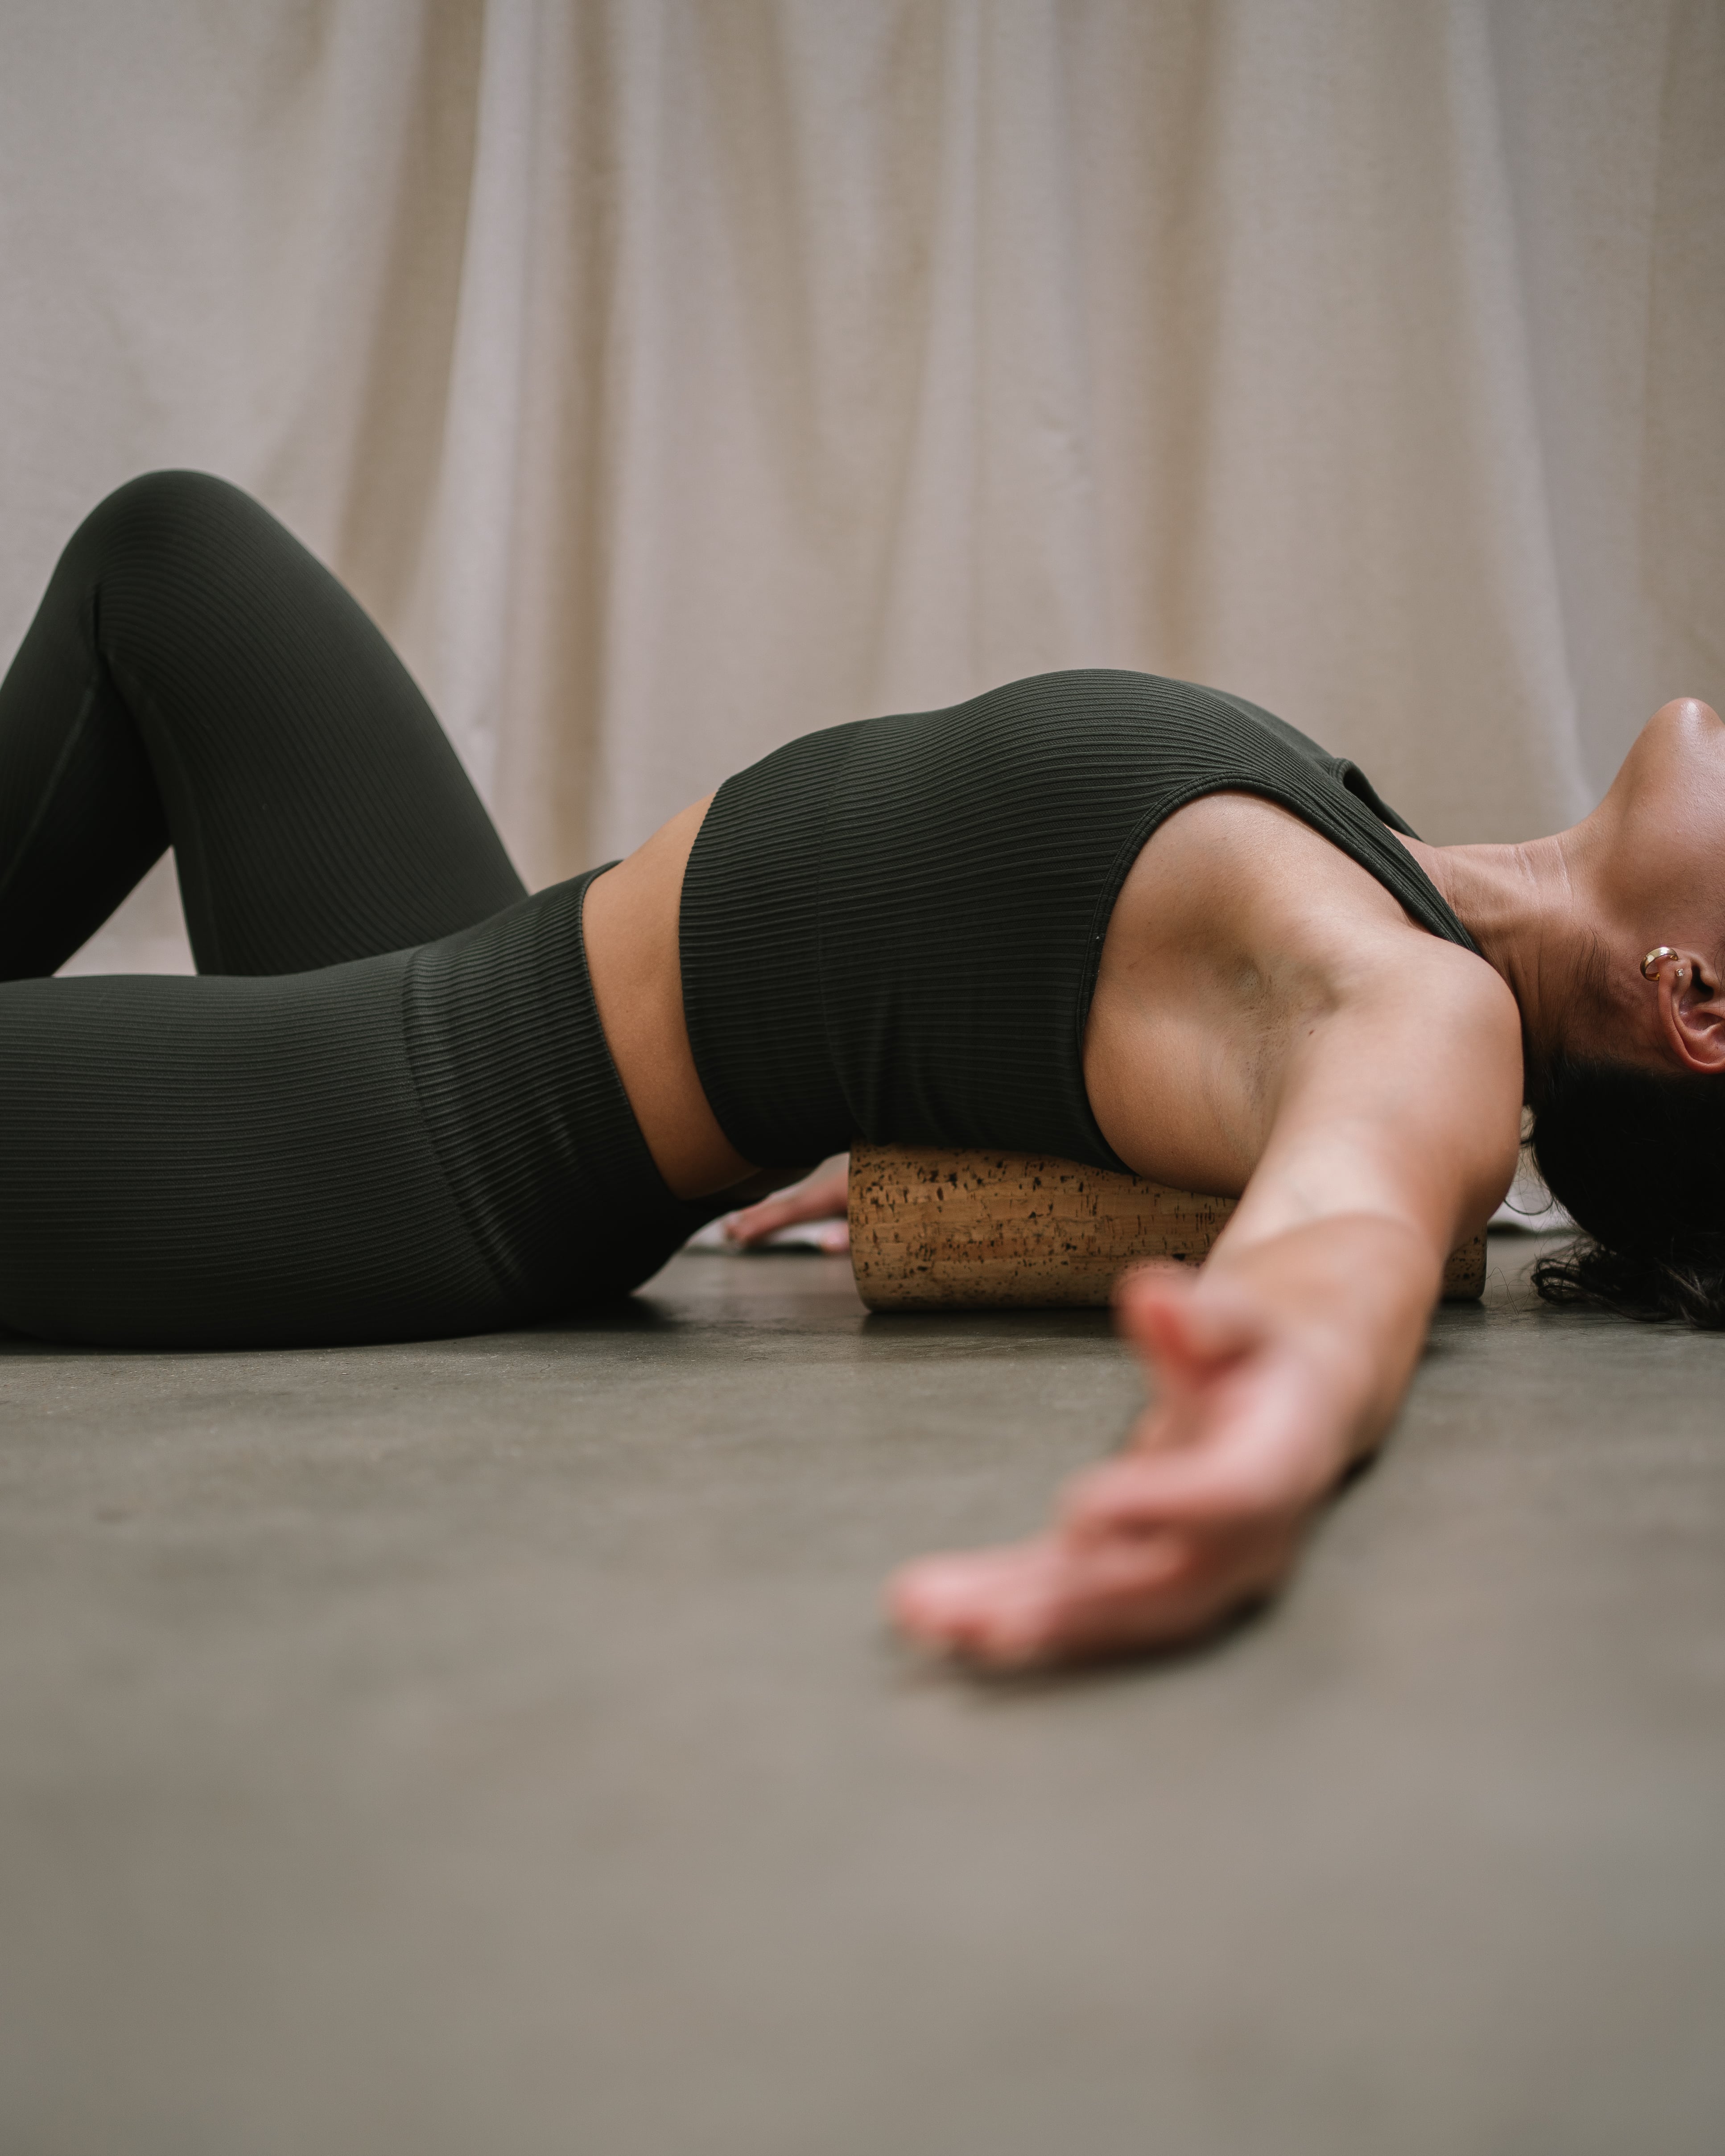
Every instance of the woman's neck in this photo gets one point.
(1533, 912)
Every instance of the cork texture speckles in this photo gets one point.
(937, 1230)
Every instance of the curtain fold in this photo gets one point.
(671, 377)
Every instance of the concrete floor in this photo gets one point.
(490, 1747)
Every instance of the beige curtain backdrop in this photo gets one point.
(670, 377)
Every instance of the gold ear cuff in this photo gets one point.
(1655, 959)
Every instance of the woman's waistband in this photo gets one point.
(529, 1117)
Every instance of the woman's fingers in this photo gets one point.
(1185, 1338)
(823, 1196)
(1140, 1494)
(1137, 1592)
(987, 1606)
(1243, 1428)
(1052, 1599)
(1014, 1607)
(1256, 1447)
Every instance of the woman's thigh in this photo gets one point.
(193, 676)
(225, 1163)
(425, 1143)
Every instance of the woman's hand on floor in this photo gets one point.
(1203, 1513)
(824, 1195)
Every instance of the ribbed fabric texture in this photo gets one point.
(751, 922)
(194, 675)
(225, 1162)
(534, 1131)
(891, 930)
(329, 1136)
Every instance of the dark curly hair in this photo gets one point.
(1637, 1158)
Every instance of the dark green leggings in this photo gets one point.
(384, 1108)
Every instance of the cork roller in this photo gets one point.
(932, 1229)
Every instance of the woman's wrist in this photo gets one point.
(1351, 1295)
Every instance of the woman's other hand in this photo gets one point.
(821, 1196)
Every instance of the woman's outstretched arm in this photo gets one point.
(1285, 1358)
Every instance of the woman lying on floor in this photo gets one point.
(1098, 915)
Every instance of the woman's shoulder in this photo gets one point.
(1284, 885)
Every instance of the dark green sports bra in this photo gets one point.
(891, 929)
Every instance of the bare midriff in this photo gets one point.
(629, 924)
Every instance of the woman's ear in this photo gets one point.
(1691, 1012)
